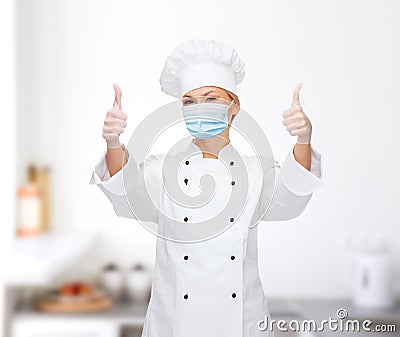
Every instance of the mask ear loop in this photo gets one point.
(228, 111)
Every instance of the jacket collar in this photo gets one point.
(225, 153)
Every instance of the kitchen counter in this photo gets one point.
(35, 261)
(122, 312)
(128, 313)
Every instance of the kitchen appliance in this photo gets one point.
(371, 276)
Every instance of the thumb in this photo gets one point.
(296, 92)
(118, 95)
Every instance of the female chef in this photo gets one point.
(206, 279)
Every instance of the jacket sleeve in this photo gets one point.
(134, 190)
(293, 188)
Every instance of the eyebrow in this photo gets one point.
(202, 94)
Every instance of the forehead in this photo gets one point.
(205, 90)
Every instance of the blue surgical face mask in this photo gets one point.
(206, 120)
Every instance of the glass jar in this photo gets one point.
(28, 208)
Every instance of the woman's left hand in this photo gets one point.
(296, 121)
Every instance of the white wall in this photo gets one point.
(344, 52)
(8, 147)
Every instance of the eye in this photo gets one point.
(209, 99)
(187, 101)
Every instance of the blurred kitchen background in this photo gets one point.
(71, 267)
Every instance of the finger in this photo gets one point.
(299, 132)
(118, 114)
(295, 126)
(293, 119)
(296, 94)
(289, 112)
(110, 136)
(115, 121)
(118, 95)
(112, 129)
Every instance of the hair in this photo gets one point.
(234, 97)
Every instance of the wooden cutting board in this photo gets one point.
(87, 305)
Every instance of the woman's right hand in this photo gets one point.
(115, 121)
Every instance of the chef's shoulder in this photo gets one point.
(259, 163)
(153, 162)
(152, 165)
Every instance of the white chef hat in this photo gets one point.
(197, 63)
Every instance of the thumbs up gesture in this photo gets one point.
(115, 121)
(295, 119)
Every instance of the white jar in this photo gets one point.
(138, 283)
(111, 279)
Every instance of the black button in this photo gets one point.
(186, 296)
(231, 219)
(232, 257)
(185, 219)
(187, 162)
(186, 181)
(233, 182)
(233, 295)
(231, 163)
(186, 257)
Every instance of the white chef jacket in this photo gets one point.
(209, 288)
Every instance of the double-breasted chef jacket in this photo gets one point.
(209, 288)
